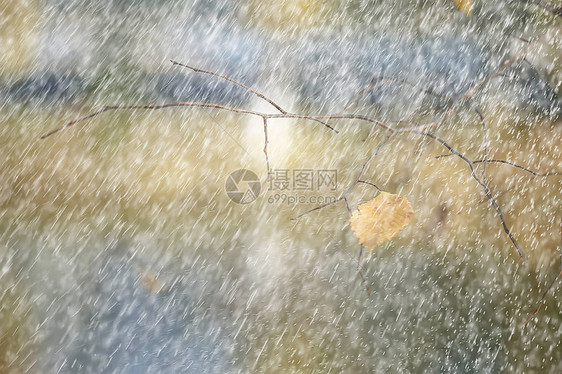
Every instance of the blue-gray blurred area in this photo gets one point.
(129, 323)
(120, 51)
(109, 315)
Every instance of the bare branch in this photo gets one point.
(360, 270)
(534, 173)
(247, 88)
(541, 302)
(68, 124)
(357, 180)
(484, 187)
(251, 90)
(547, 174)
(486, 144)
(266, 141)
(347, 206)
(317, 208)
(369, 183)
(366, 163)
(192, 104)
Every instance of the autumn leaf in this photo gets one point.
(380, 219)
(150, 282)
(465, 6)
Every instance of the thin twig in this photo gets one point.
(547, 174)
(317, 208)
(534, 173)
(484, 187)
(201, 105)
(347, 206)
(369, 183)
(316, 118)
(366, 163)
(542, 300)
(249, 89)
(360, 270)
(346, 193)
(266, 141)
(360, 95)
(240, 84)
(486, 144)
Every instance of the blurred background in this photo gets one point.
(121, 252)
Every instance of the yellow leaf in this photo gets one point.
(465, 6)
(150, 281)
(380, 219)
